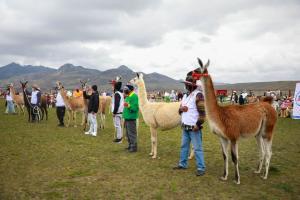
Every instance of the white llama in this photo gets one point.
(157, 115)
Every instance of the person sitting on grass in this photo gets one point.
(93, 107)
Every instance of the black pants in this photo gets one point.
(33, 112)
(60, 112)
(130, 126)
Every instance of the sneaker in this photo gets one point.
(87, 133)
(178, 167)
(200, 173)
(132, 150)
(117, 140)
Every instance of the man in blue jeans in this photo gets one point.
(192, 117)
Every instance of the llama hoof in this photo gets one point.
(190, 158)
(75, 126)
(256, 172)
(151, 154)
(264, 177)
(222, 178)
(237, 182)
(153, 157)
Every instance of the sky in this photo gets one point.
(245, 40)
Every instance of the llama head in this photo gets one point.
(59, 85)
(84, 83)
(201, 71)
(23, 84)
(203, 68)
(138, 80)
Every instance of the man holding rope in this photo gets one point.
(35, 102)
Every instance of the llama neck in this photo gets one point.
(12, 92)
(142, 93)
(63, 94)
(211, 105)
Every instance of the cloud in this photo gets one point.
(254, 37)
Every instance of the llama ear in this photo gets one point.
(141, 75)
(200, 62)
(138, 75)
(206, 65)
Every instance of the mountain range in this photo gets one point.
(70, 75)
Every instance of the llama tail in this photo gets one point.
(268, 99)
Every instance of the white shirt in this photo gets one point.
(8, 98)
(191, 116)
(34, 97)
(121, 106)
(59, 100)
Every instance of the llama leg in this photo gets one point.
(155, 143)
(69, 118)
(234, 156)
(268, 150)
(74, 118)
(103, 125)
(152, 141)
(224, 144)
(261, 149)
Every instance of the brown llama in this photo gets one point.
(73, 105)
(234, 121)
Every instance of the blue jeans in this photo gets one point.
(10, 107)
(196, 138)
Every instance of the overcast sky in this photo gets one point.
(246, 40)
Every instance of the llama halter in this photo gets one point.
(198, 76)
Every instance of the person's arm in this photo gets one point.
(85, 95)
(201, 110)
(117, 103)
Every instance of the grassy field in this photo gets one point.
(43, 161)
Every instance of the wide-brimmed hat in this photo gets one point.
(35, 86)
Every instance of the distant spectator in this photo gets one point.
(10, 107)
(77, 93)
(234, 98)
(241, 99)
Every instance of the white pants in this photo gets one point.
(118, 125)
(92, 118)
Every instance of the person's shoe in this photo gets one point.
(178, 167)
(94, 134)
(87, 133)
(200, 173)
(132, 150)
(117, 140)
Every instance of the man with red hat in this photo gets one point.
(192, 117)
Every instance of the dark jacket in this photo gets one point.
(93, 104)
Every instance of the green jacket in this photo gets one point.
(131, 112)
